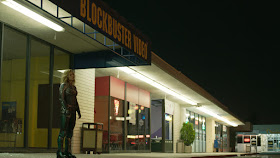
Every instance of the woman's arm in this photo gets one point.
(61, 97)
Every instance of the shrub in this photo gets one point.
(187, 133)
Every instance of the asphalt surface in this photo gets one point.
(122, 155)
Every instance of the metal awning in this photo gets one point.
(74, 39)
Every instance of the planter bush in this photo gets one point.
(187, 134)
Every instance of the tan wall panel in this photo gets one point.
(177, 125)
(85, 83)
(210, 134)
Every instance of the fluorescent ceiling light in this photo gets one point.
(216, 116)
(156, 84)
(18, 7)
(61, 71)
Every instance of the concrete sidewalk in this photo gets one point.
(123, 155)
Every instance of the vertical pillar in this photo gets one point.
(109, 115)
(163, 126)
(125, 123)
(150, 129)
(51, 97)
(27, 85)
(210, 134)
(1, 54)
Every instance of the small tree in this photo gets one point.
(187, 133)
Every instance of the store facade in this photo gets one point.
(142, 109)
(263, 138)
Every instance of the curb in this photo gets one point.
(226, 155)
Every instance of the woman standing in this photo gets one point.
(69, 107)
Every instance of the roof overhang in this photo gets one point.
(166, 75)
(73, 39)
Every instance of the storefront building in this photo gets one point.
(263, 138)
(141, 100)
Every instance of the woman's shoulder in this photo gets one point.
(63, 85)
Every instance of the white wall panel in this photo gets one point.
(85, 83)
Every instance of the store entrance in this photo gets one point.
(161, 126)
(273, 142)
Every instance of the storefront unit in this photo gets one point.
(85, 38)
(175, 99)
(39, 39)
(263, 138)
(124, 110)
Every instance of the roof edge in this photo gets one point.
(188, 82)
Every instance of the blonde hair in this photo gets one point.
(65, 78)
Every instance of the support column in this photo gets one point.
(51, 97)
(1, 54)
(163, 126)
(210, 134)
(27, 85)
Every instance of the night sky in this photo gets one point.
(229, 48)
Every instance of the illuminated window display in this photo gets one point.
(263, 138)
(199, 124)
(138, 132)
(25, 88)
(129, 120)
(222, 137)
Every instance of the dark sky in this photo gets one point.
(230, 48)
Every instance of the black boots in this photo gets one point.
(67, 146)
(69, 155)
(59, 152)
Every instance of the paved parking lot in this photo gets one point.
(121, 155)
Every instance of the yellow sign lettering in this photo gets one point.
(93, 13)
(115, 28)
(88, 10)
(123, 34)
(105, 21)
(99, 15)
(110, 29)
(129, 39)
(83, 8)
(119, 32)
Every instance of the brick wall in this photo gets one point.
(85, 83)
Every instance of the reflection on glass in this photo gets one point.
(199, 123)
(39, 93)
(13, 89)
(61, 62)
(138, 134)
(116, 124)
(156, 128)
(132, 133)
(168, 126)
(196, 133)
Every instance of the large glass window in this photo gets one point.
(218, 136)
(204, 133)
(13, 89)
(116, 124)
(168, 132)
(142, 116)
(196, 133)
(200, 138)
(39, 94)
(199, 124)
(61, 62)
(132, 132)
(225, 143)
(156, 125)
(138, 132)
